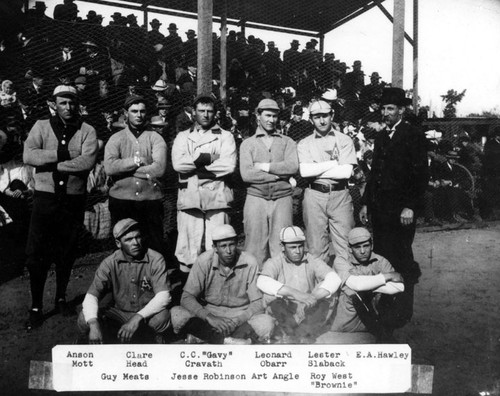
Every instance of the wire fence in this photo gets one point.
(107, 64)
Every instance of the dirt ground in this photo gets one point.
(456, 326)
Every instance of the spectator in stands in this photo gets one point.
(137, 279)
(154, 35)
(94, 65)
(33, 99)
(364, 274)
(135, 159)
(68, 11)
(173, 48)
(132, 21)
(470, 154)
(354, 82)
(267, 161)
(297, 288)
(373, 91)
(190, 49)
(326, 74)
(327, 158)
(271, 59)
(184, 119)
(395, 191)
(236, 77)
(63, 150)
(187, 81)
(8, 96)
(16, 193)
(292, 61)
(298, 128)
(451, 202)
(204, 156)
(221, 303)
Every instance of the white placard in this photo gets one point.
(279, 368)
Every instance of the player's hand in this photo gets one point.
(363, 214)
(128, 329)
(95, 334)
(406, 217)
(393, 277)
(225, 326)
(307, 299)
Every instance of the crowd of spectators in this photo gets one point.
(109, 63)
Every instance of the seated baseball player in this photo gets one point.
(136, 277)
(364, 276)
(221, 302)
(297, 288)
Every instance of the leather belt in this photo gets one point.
(329, 188)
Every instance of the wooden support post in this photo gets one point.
(398, 42)
(223, 52)
(204, 73)
(415, 56)
(322, 44)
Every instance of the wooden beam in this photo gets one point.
(351, 17)
(398, 43)
(204, 72)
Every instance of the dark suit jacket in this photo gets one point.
(399, 172)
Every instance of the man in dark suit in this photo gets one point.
(393, 194)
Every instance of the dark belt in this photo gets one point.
(329, 188)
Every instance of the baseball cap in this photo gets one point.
(268, 104)
(358, 235)
(223, 231)
(123, 227)
(292, 234)
(65, 90)
(132, 99)
(319, 107)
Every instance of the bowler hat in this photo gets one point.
(172, 26)
(155, 22)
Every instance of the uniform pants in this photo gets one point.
(195, 228)
(53, 238)
(327, 215)
(262, 324)
(159, 322)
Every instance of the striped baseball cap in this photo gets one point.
(292, 234)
